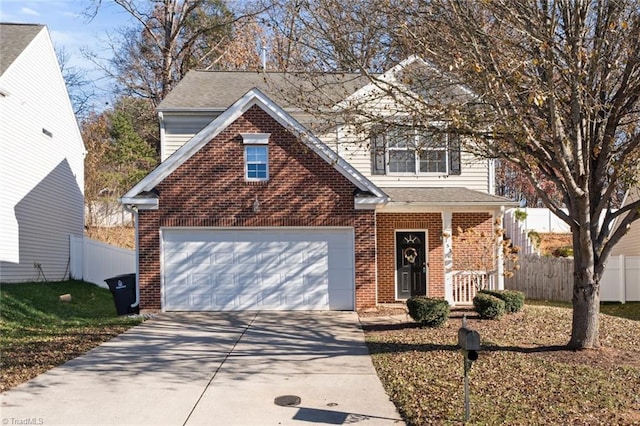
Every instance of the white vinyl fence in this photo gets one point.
(543, 221)
(518, 233)
(551, 278)
(94, 261)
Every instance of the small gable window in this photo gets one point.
(256, 156)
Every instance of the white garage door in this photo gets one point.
(258, 269)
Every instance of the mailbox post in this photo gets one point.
(469, 342)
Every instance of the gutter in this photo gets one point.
(131, 208)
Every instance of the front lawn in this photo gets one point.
(39, 332)
(523, 376)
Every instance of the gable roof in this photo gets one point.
(138, 195)
(14, 38)
(411, 79)
(218, 90)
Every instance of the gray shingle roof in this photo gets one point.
(444, 196)
(14, 38)
(217, 90)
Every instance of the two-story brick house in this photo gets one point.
(251, 210)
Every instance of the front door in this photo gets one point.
(411, 264)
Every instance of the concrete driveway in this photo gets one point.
(214, 369)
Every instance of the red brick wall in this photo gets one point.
(209, 189)
(386, 225)
(473, 248)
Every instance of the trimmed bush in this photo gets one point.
(513, 300)
(566, 251)
(488, 306)
(428, 312)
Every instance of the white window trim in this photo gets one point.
(416, 156)
(246, 164)
(255, 140)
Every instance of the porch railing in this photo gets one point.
(466, 285)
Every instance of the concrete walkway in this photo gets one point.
(214, 369)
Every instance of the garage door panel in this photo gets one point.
(270, 257)
(201, 280)
(224, 302)
(247, 258)
(176, 257)
(225, 281)
(211, 269)
(200, 258)
(201, 300)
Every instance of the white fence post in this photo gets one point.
(76, 257)
(623, 279)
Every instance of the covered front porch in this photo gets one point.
(437, 242)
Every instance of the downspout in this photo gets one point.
(131, 208)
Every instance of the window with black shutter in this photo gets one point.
(399, 151)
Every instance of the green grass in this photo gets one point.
(38, 331)
(629, 310)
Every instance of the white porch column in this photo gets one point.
(447, 244)
(499, 255)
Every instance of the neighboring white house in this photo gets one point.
(41, 159)
(629, 245)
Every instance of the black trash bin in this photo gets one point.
(123, 288)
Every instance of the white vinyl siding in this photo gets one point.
(41, 167)
(357, 151)
(629, 245)
(178, 128)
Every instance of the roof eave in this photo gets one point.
(369, 203)
(491, 204)
(141, 203)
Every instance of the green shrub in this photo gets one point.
(520, 215)
(513, 300)
(566, 251)
(535, 238)
(428, 312)
(488, 306)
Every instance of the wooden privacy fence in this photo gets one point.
(551, 278)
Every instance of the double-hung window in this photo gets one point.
(401, 151)
(412, 151)
(256, 156)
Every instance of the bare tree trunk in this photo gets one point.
(586, 310)
(586, 296)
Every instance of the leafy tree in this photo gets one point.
(143, 118)
(131, 157)
(513, 184)
(117, 156)
(99, 184)
(554, 92)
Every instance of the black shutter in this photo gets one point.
(377, 154)
(455, 166)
